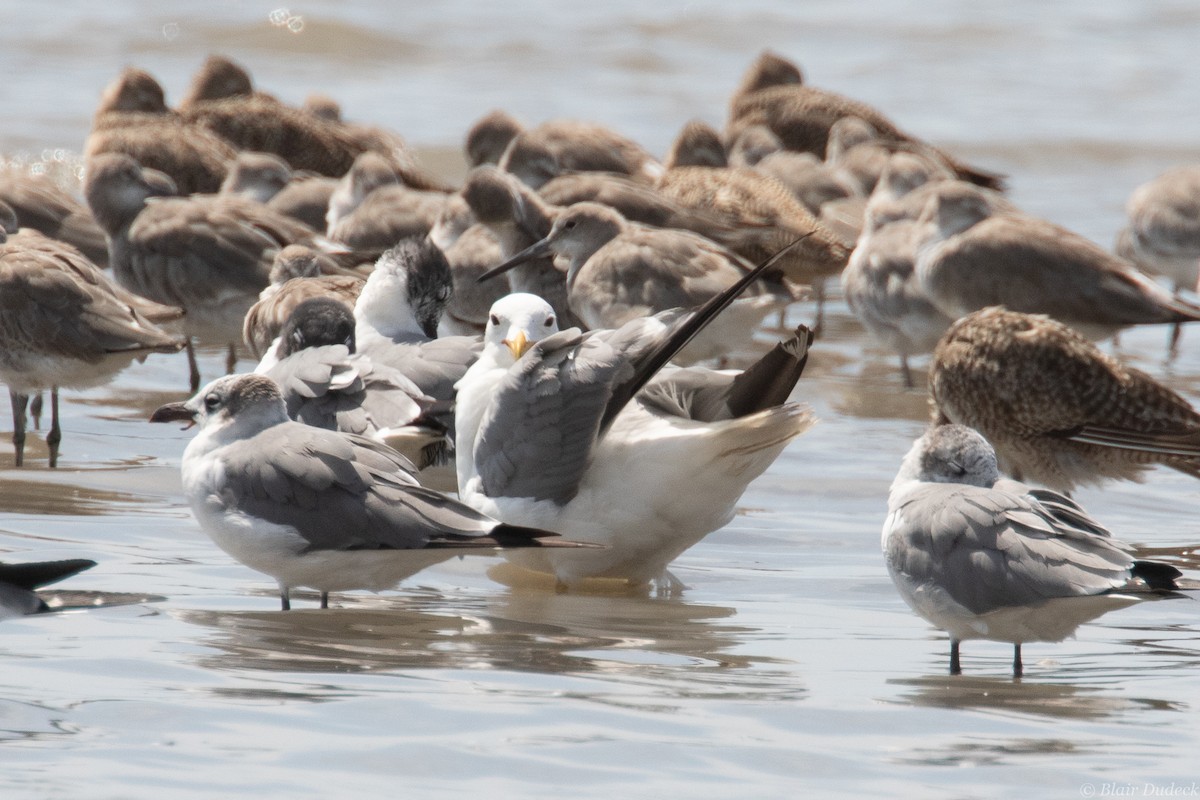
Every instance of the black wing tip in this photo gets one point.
(520, 536)
(39, 573)
(1159, 576)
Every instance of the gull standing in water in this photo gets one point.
(318, 508)
(554, 428)
(985, 558)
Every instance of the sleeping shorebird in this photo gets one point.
(982, 557)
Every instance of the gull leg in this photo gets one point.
(35, 410)
(193, 368)
(955, 666)
(1018, 667)
(285, 598)
(231, 359)
(19, 402)
(55, 436)
(324, 599)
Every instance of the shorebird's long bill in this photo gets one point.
(535, 250)
(174, 412)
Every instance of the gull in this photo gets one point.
(987, 558)
(773, 94)
(63, 325)
(295, 277)
(18, 582)
(316, 508)
(209, 254)
(1058, 410)
(326, 383)
(555, 427)
(975, 253)
(621, 272)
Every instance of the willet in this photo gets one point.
(538, 154)
(62, 325)
(985, 558)
(39, 203)
(256, 176)
(317, 508)
(802, 115)
(620, 272)
(975, 254)
(1058, 410)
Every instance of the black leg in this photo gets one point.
(324, 599)
(906, 373)
(1018, 667)
(193, 368)
(1173, 345)
(819, 322)
(285, 598)
(55, 436)
(19, 403)
(35, 410)
(955, 666)
(231, 359)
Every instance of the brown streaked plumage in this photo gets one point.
(538, 154)
(802, 116)
(39, 203)
(133, 118)
(974, 254)
(1058, 410)
(697, 145)
(488, 138)
(295, 277)
(811, 180)
(62, 324)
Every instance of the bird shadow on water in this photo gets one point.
(680, 650)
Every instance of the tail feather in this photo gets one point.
(39, 573)
(769, 381)
(508, 536)
(1157, 575)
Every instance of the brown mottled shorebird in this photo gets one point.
(62, 325)
(518, 218)
(470, 255)
(306, 198)
(620, 271)
(488, 138)
(697, 145)
(1058, 410)
(802, 116)
(295, 277)
(133, 118)
(766, 217)
(209, 254)
(538, 154)
(975, 254)
(879, 283)
(39, 203)
(811, 180)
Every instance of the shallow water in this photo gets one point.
(790, 662)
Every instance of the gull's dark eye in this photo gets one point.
(549, 321)
(212, 401)
(494, 319)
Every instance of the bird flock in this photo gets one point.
(535, 362)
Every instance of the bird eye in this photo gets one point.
(549, 321)
(569, 224)
(494, 320)
(212, 401)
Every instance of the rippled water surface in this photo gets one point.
(790, 663)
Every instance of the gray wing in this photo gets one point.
(343, 492)
(536, 437)
(990, 548)
(329, 388)
(435, 366)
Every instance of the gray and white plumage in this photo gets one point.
(19, 582)
(986, 558)
(63, 324)
(619, 271)
(327, 384)
(548, 430)
(317, 508)
(974, 254)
